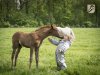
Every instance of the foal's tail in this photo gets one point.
(15, 40)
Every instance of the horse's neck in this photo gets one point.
(42, 34)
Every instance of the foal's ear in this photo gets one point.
(52, 26)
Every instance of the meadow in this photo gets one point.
(82, 58)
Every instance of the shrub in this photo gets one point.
(88, 24)
(5, 24)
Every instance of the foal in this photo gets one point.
(31, 40)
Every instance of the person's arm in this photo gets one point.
(53, 41)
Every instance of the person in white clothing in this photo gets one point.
(62, 46)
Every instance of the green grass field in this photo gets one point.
(83, 57)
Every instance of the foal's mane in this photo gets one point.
(42, 27)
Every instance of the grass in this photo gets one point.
(83, 57)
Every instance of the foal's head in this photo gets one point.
(49, 30)
(53, 31)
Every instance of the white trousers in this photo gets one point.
(62, 46)
(60, 54)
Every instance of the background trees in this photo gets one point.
(33, 13)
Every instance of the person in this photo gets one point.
(62, 46)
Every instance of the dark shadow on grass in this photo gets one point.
(5, 69)
(66, 71)
(35, 71)
(71, 73)
(54, 68)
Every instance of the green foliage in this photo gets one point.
(22, 20)
(5, 24)
(88, 24)
(33, 13)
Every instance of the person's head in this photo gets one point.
(54, 31)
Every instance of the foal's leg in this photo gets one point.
(31, 57)
(15, 47)
(36, 55)
(13, 55)
(17, 53)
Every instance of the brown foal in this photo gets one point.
(31, 40)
